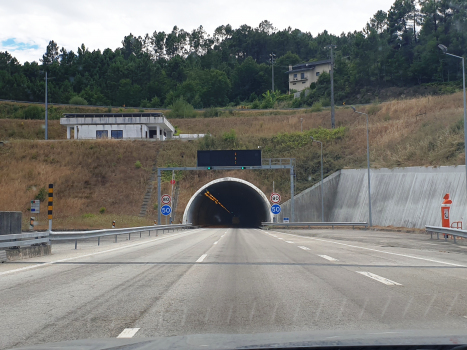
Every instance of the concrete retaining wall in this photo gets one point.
(10, 222)
(28, 252)
(401, 197)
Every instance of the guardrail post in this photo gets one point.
(129, 235)
(453, 236)
(98, 241)
(149, 232)
(139, 234)
(437, 235)
(76, 244)
(115, 238)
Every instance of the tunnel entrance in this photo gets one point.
(228, 202)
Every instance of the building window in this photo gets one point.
(294, 83)
(303, 82)
(302, 76)
(295, 76)
(102, 134)
(317, 74)
(117, 134)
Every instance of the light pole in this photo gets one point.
(445, 50)
(368, 164)
(322, 187)
(46, 110)
(272, 59)
(333, 120)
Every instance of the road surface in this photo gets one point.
(227, 280)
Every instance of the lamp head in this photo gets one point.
(443, 48)
(312, 138)
(353, 108)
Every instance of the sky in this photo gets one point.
(27, 26)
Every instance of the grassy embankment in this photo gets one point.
(90, 175)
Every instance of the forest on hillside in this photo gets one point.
(232, 65)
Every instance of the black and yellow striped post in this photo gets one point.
(50, 206)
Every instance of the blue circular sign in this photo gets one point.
(275, 209)
(166, 210)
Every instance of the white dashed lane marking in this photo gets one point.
(379, 278)
(201, 258)
(289, 242)
(128, 333)
(304, 248)
(216, 242)
(327, 257)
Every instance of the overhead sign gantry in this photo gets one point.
(234, 160)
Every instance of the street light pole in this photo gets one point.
(445, 50)
(333, 120)
(322, 186)
(272, 60)
(368, 164)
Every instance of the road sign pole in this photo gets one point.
(158, 196)
(292, 206)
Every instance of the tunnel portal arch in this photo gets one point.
(246, 204)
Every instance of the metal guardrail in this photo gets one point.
(18, 240)
(78, 235)
(446, 231)
(314, 224)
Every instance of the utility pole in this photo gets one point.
(46, 110)
(272, 59)
(333, 120)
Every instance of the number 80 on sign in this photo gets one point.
(275, 197)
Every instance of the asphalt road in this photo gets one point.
(235, 281)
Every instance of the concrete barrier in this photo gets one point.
(401, 197)
(28, 252)
(10, 222)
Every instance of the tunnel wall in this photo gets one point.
(189, 210)
(401, 197)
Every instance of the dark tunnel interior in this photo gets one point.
(239, 205)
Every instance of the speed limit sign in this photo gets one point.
(275, 197)
(166, 199)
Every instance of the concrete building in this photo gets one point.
(88, 126)
(302, 75)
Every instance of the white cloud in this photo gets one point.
(100, 24)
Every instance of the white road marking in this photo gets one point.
(304, 248)
(289, 242)
(216, 242)
(128, 333)
(377, 250)
(91, 254)
(327, 257)
(201, 258)
(279, 238)
(379, 278)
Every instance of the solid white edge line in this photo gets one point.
(201, 258)
(375, 250)
(91, 254)
(379, 278)
(128, 333)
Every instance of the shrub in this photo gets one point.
(373, 109)
(155, 206)
(255, 104)
(138, 164)
(211, 112)
(88, 216)
(41, 195)
(230, 136)
(102, 210)
(78, 100)
(34, 112)
(182, 109)
(317, 107)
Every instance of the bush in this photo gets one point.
(230, 136)
(78, 100)
(373, 109)
(255, 104)
(138, 164)
(41, 195)
(34, 112)
(155, 206)
(211, 112)
(102, 210)
(181, 109)
(88, 216)
(317, 107)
